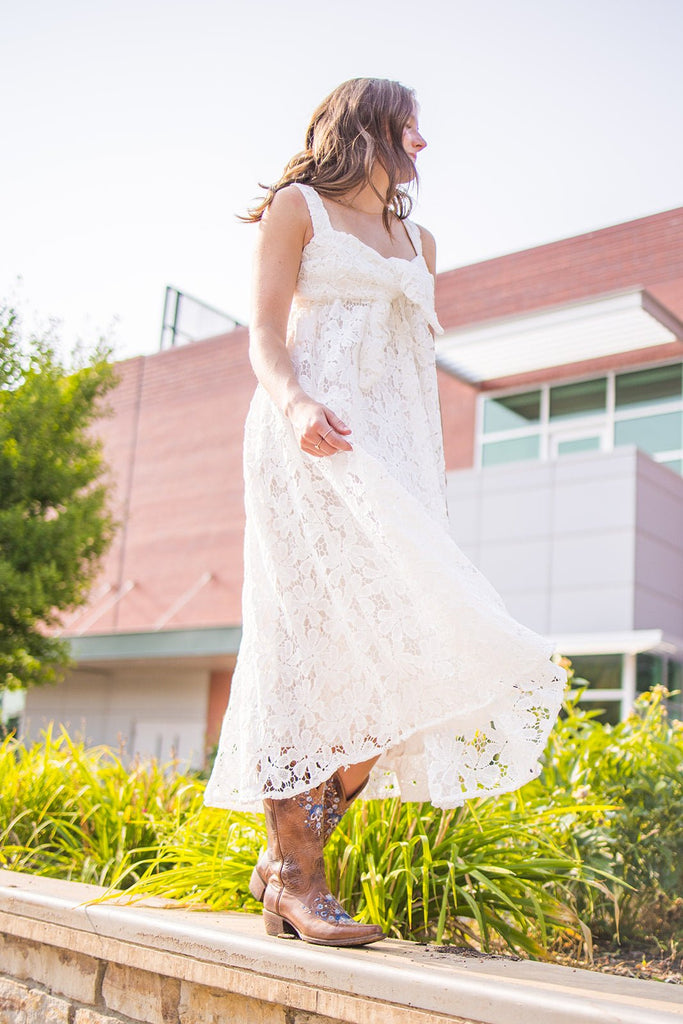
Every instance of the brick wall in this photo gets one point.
(647, 252)
(458, 402)
(174, 445)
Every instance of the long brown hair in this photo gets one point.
(360, 122)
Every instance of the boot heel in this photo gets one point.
(275, 925)
(257, 886)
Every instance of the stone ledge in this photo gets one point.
(393, 982)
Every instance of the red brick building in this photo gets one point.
(156, 644)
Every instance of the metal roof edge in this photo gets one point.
(167, 643)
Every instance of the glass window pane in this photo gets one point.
(578, 444)
(583, 399)
(602, 671)
(661, 384)
(660, 433)
(675, 682)
(649, 671)
(516, 449)
(610, 710)
(512, 411)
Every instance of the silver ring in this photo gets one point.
(319, 443)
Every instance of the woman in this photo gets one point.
(368, 635)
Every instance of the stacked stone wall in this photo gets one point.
(41, 984)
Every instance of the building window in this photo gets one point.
(641, 407)
(602, 671)
(512, 411)
(650, 671)
(654, 670)
(604, 674)
(660, 433)
(657, 386)
(578, 444)
(587, 398)
(607, 690)
(512, 450)
(511, 422)
(674, 684)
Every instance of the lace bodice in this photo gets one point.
(360, 340)
(343, 277)
(336, 265)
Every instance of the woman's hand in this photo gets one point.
(318, 430)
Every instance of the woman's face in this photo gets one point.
(412, 140)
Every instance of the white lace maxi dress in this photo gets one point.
(365, 629)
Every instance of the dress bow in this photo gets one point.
(411, 280)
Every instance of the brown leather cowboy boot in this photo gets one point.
(335, 805)
(297, 900)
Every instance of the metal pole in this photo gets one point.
(175, 315)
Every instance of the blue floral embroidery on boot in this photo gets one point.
(326, 907)
(333, 801)
(315, 813)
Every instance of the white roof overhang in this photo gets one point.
(630, 642)
(620, 322)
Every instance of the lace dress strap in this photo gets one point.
(316, 208)
(415, 235)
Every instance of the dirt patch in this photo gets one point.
(651, 964)
(468, 951)
(648, 963)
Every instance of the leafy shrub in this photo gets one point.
(636, 766)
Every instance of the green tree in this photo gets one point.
(54, 520)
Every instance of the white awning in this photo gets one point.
(629, 642)
(621, 322)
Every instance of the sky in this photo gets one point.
(133, 132)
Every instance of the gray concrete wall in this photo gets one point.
(151, 710)
(591, 542)
(658, 597)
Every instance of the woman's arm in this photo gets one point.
(282, 234)
(429, 250)
(429, 253)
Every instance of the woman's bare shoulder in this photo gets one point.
(289, 201)
(288, 213)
